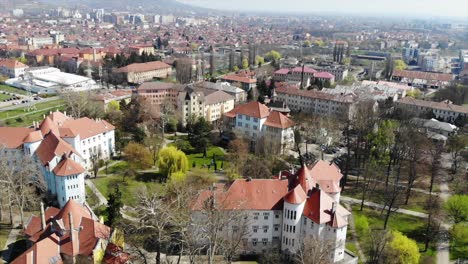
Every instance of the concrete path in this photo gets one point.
(354, 240)
(14, 233)
(443, 244)
(350, 200)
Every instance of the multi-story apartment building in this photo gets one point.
(255, 121)
(198, 102)
(445, 111)
(239, 94)
(340, 72)
(139, 49)
(63, 148)
(317, 102)
(302, 75)
(142, 72)
(244, 80)
(282, 214)
(12, 68)
(463, 60)
(421, 79)
(158, 92)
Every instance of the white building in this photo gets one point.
(12, 68)
(283, 213)
(207, 103)
(62, 148)
(49, 80)
(370, 90)
(446, 111)
(317, 102)
(255, 121)
(239, 94)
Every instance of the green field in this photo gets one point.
(10, 89)
(411, 226)
(200, 161)
(4, 97)
(130, 186)
(4, 232)
(20, 117)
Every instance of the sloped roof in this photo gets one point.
(53, 146)
(324, 75)
(218, 97)
(278, 120)
(430, 76)
(144, 67)
(90, 231)
(306, 70)
(86, 127)
(296, 195)
(48, 125)
(256, 194)
(44, 251)
(13, 137)
(33, 137)
(252, 109)
(68, 167)
(328, 176)
(318, 208)
(12, 64)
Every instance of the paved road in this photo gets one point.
(443, 245)
(12, 107)
(380, 206)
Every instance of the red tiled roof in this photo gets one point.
(68, 167)
(33, 137)
(90, 231)
(324, 75)
(430, 76)
(12, 64)
(278, 120)
(86, 127)
(144, 67)
(306, 70)
(252, 109)
(296, 195)
(315, 94)
(53, 146)
(256, 194)
(13, 137)
(318, 208)
(434, 105)
(327, 175)
(282, 71)
(237, 78)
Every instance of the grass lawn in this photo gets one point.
(4, 232)
(11, 89)
(410, 226)
(4, 96)
(27, 118)
(91, 198)
(129, 187)
(200, 161)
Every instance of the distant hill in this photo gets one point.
(121, 5)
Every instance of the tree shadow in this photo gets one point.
(16, 249)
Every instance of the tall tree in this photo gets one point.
(114, 205)
(199, 134)
(172, 160)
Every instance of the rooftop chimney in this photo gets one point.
(333, 210)
(43, 221)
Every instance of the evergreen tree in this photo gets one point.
(114, 204)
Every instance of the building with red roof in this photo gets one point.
(63, 148)
(257, 122)
(243, 79)
(283, 212)
(67, 234)
(12, 68)
(142, 72)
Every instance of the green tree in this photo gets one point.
(137, 156)
(273, 56)
(114, 204)
(172, 160)
(245, 63)
(362, 224)
(399, 65)
(402, 250)
(319, 43)
(113, 106)
(199, 134)
(306, 43)
(457, 208)
(459, 241)
(456, 144)
(259, 60)
(235, 68)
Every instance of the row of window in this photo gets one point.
(290, 214)
(74, 186)
(89, 140)
(288, 241)
(248, 118)
(289, 228)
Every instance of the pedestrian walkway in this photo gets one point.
(381, 206)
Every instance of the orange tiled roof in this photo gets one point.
(278, 120)
(253, 109)
(144, 67)
(13, 137)
(68, 167)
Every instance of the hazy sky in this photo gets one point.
(456, 8)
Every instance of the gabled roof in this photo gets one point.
(86, 127)
(255, 194)
(48, 125)
(34, 136)
(218, 97)
(252, 109)
(324, 75)
(53, 146)
(144, 67)
(278, 120)
(318, 208)
(306, 70)
(57, 226)
(328, 176)
(68, 167)
(296, 195)
(12, 64)
(13, 137)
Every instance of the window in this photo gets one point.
(247, 118)
(240, 116)
(265, 229)
(277, 216)
(266, 215)
(255, 119)
(265, 241)
(254, 241)
(276, 227)
(293, 242)
(255, 127)
(255, 229)
(239, 124)
(275, 238)
(295, 215)
(256, 216)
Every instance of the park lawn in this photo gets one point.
(411, 226)
(11, 89)
(199, 161)
(118, 168)
(26, 118)
(129, 188)
(91, 198)
(4, 232)
(4, 96)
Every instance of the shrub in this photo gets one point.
(362, 224)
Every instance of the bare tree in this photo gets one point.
(316, 251)
(19, 174)
(96, 161)
(184, 70)
(76, 103)
(378, 242)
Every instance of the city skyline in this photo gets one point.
(435, 8)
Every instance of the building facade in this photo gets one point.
(12, 68)
(283, 214)
(142, 72)
(445, 111)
